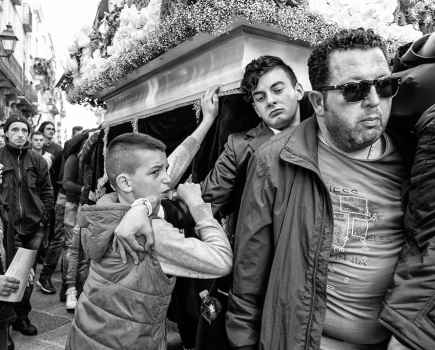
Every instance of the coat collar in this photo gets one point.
(260, 130)
(258, 135)
(17, 150)
(301, 147)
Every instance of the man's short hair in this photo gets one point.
(44, 125)
(37, 132)
(346, 39)
(257, 68)
(120, 157)
(77, 129)
(16, 118)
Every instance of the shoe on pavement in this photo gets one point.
(71, 299)
(44, 283)
(24, 326)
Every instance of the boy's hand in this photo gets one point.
(190, 193)
(8, 285)
(210, 105)
(134, 223)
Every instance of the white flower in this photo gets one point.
(82, 37)
(375, 14)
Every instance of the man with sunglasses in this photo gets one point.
(313, 263)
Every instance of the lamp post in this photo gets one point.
(8, 41)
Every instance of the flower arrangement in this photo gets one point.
(376, 14)
(143, 34)
(418, 13)
(148, 37)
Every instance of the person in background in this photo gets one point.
(73, 259)
(2, 136)
(37, 142)
(60, 215)
(320, 227)
(76, 130)
(48, 130)
(8, 285)
(27, 196)
(55, 236)
(409, 306)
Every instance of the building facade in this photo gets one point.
(27, 77)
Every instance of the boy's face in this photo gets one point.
(37, 142)
(276, 100)
(151, 177)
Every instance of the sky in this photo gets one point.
(64, 18)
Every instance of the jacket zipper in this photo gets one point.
(20, 183)
(316, 264)
(313, 294)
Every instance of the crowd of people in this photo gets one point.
(32, 169)
(316, 228)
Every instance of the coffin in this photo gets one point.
(181, 75)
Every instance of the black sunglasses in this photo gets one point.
(357, 91)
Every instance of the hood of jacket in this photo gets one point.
(99, 223)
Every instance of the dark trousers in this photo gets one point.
(56, 238)
(75, 264)
(13, 242)
(4, 335)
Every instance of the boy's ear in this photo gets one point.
(123, 182)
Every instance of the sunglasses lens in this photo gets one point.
(387, 87)
(354, 92)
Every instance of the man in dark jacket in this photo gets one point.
(26, 195)
(409, 310)
(55, 231)
(320, 223)
(272, 88)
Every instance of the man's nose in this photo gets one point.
(372, 98)
(270, 99)
(166, 179)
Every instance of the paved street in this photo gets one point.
(53, 323)
(51, 319)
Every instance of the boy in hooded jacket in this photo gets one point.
(125, 305)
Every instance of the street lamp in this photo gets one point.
(8, 41)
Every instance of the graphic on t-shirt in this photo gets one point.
(351, 219)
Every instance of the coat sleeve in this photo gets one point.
(70, 175)
(208, 257)
(219, 185)
(253, 255)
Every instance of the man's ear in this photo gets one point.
(299, 91)
(317, 100)
(123, 182)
